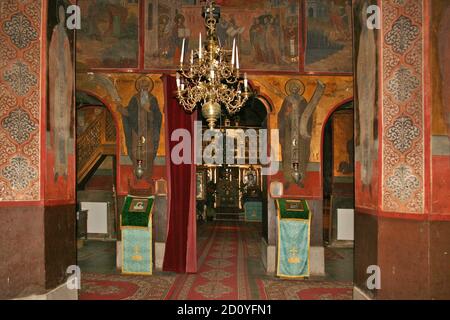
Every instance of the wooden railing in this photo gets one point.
(98, 140)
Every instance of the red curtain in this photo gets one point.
(181, 245)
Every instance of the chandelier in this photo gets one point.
(212, 78)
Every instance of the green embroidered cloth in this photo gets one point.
(253, 211)
(294, 221)
(293, 209)
(137, 211)
(136, 226)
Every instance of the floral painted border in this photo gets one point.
(20, 73)
(403, 113)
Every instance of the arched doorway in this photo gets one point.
(338, 192)
(230, 185)
(231, 210)
(97, 217)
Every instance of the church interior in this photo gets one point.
(225, 150)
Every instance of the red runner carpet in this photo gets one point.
(222, 273)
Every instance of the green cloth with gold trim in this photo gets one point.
(136, 226)
(253, 211)
(136, 211)
(294, 220)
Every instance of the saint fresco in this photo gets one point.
(61, 89)
(109, 34)
(295, 123)
(366, 89)
(343, 144)
(142, 122)
(329, 36)
(443, 46)
(267, 32)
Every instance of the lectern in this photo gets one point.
(294, 225)
(136, 226)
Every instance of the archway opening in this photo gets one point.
(338, 192)
(232, 202)
(97, 212)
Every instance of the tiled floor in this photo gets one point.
(98, 257)
(339, 265)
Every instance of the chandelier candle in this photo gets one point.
(200, 47)
(237, 59)
(182, 51)
(245, 82)
(211, 81)
(178, 81)
(233, 58)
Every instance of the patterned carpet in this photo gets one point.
(230, 268)
(305, 290)
(96, 286)
(222, 273)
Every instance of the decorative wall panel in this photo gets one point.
(403, 107)
(20, 30)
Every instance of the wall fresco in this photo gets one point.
(109, 37)
(329, 36)
(267, 32)
(343, 144)
(366, 108)
(338, 90)
(60, 151)
(116, 91)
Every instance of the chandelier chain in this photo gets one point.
(212, 77)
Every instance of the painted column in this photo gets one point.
(395, 226)
(37, 208)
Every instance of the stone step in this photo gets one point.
(230, 217)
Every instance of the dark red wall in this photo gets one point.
(37, 245)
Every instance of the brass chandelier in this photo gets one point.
(212, 78)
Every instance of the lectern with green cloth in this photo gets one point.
(294, 221)
(136, 226)
(253, 211)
